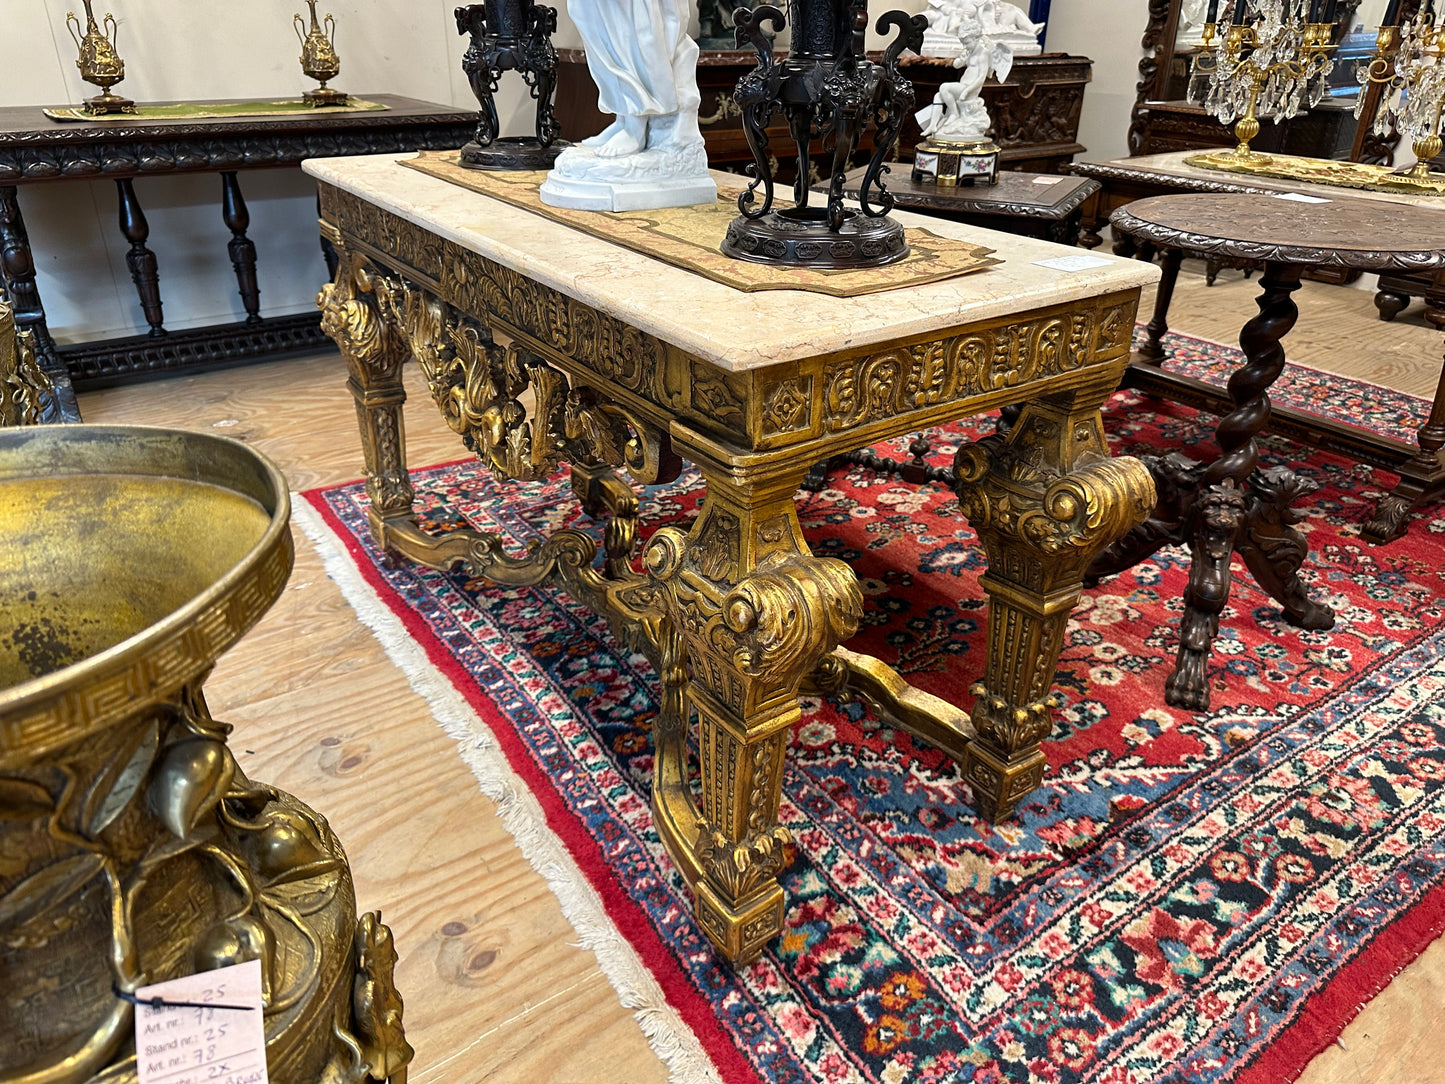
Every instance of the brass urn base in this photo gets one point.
(324, 96)
(801, 237)
(105, 104)
(133, 848)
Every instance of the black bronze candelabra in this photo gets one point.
(511, 35)
(829, 92)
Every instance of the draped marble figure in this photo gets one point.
(644, 63)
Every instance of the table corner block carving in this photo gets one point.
(136, 848)
(736, 612)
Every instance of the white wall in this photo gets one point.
(219, 49)
(1109, 31)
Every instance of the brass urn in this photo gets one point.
(99, 63)
(133, 847)
(319, 59)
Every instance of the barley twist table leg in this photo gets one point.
(754, 613)
(1044, 501)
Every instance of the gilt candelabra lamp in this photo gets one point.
(1271, 60)
(510, 35)
(1408, 66)
(319, 58)
(828, 91)
(99, 63)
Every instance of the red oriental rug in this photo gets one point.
(1187, 898)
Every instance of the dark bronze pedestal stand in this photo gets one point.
(1231, 505)
(511, 35)
(826, 88)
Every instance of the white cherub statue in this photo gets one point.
(958, 114)
(1006, 22)
(645, 67)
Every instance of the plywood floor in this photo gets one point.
(494, 989)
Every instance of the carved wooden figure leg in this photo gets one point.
(140, 260)
(1153, 348)
(754, 613)
(374, 353)
(1216, 515)
(1421, 478)
(1044, 501)
(241, 248)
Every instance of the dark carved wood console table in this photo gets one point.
(35, 149)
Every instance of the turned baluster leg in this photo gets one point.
(1422, 477)
(17, 273)
(755, 613)
(375, 352)
(1044, 501)
(140, 260)
(241, 248)
(1152, 349)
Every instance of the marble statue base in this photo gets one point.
(936, 44)
(657, 177)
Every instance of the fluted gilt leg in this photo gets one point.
(1044, 501)
(753, 612)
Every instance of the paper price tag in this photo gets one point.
(1300, 197)
(1073, 263)
(1047, 180)
(217, 1037)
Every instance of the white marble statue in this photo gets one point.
(1006, 22)
(645, 67)
(958, 114)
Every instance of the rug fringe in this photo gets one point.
(670, 1038)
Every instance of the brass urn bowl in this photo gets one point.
(133, 848)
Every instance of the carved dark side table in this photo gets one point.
(35, 149)
(1230, 505)
(1045, 206)
(1418, 461)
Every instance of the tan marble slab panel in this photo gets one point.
(1173, 164)
(736, 331)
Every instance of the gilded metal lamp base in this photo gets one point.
(105, 104)
(512, 153)
(133, 847)
(946, 162)
(801, 237)
(324, 96)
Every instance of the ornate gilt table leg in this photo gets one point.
(754, 613)
(1044, 501)
(374, 353)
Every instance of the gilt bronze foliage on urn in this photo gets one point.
(827, 90)
(133, 846)
(511, 35)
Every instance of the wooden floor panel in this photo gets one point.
(494, 989)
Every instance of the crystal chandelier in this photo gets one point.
(1408, 66)
(1273, 62)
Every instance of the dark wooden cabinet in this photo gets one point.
(1036, 110)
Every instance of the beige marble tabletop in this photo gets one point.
(1173, 164)
(734, 330)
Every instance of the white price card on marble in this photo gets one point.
(1073, 263)
(1047, 180)
(1300, 197)
(209, 1029)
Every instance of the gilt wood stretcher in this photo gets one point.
(638, 365)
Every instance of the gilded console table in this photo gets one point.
(638, 364)
(35, 150)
